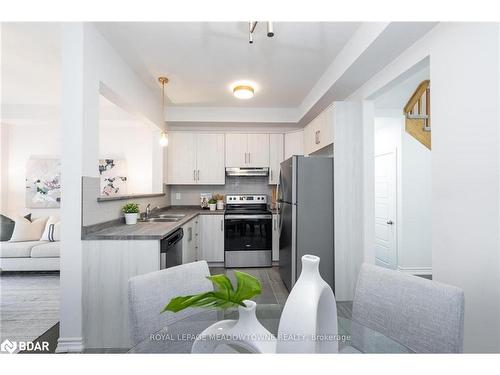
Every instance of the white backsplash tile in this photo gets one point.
(190, 194)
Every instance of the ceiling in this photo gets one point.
(202, 59)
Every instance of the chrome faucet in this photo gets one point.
(149, 210)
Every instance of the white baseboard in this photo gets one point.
(70, 345)
(416, 270)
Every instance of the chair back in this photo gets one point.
(149, 293)
(424, 315)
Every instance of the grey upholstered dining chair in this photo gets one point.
(149, 293)
(424, 315)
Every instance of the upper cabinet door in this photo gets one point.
(210, 159)
(181, 158)
(329, 125)
(294, 144)
(258, 150)
(319, 132)
(276, 143)
(236, 150)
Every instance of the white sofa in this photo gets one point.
(29, 256)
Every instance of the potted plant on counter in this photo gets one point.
(212, 203)
(220, 201)
(131, 211)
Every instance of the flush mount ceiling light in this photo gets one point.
(243, 92)
(163, 137)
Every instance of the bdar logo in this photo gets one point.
(8, 346)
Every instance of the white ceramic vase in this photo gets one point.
(212, 206)
(131, 219)
(308, 323)
(245, 333)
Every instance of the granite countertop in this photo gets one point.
(147, 230)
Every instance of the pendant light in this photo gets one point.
(163, 138)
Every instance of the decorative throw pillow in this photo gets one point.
(54, 232)
(26, 230)
(7, 226)
(52, 220)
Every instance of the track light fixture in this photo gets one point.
(251, 28)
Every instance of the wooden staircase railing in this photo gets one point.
(418, 114)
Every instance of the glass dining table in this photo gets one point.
(178, 337)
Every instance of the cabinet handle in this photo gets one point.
(271, 175)
(194, 174)
(222, 225)
(249, 158)
(274, 223)
(317, 137)
(198, 175)
(246, 157)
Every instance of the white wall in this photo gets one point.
(30, 122)
(23, 142)
(416, 207)
(90, 67)
(348, 196)
(465, 194)
(134, 143)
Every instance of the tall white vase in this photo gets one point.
(245, 333)
(308, 323)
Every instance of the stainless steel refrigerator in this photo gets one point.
(305, 202)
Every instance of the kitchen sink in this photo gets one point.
(162, 219)
(170, 216)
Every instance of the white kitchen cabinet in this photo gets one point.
(276, 238)
(181, 158)
(210, 168)
(276, 145)
(190, 241)
(212, 238)
(294, 144)
(319, 132)
(195, 158)
(258, 150)
(247, 150)
(236, 150)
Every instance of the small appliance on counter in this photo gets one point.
(204, 198)
(248, 232)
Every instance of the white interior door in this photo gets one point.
(385, 210)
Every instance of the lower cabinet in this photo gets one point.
(276, 238)
(211, 238)
(190, 241)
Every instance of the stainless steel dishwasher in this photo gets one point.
(171, 250)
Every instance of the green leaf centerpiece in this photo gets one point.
(224, 295)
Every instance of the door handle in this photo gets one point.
(389, 222)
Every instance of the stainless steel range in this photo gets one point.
(248, 231)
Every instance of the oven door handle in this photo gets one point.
(265, 216)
